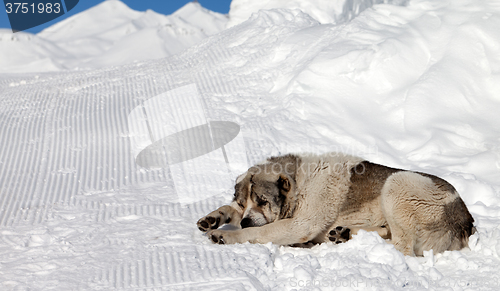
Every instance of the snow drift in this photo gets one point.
(108, 34)
(412, 86)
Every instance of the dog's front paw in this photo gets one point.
(217, 237)
(339, 234)
(211, 221)
(223, 236)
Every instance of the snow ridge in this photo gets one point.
(105, 35)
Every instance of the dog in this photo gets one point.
(302, 199)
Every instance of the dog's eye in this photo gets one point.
(241, 205)
(261, 202)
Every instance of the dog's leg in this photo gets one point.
(401, 225)
(283, 232)
(226, 214)
(401, 198)
(341, 234)
(403, 242)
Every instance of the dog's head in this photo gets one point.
(263, 195)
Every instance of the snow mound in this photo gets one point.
(412, 86)
(324, 11)
(26, 52)
(108, 34)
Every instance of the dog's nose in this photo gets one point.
(246, 222)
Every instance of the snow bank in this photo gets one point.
(324, 11)
(108, 34)
(412, 86)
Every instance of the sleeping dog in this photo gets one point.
(301, 199)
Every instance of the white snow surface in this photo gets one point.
(324, 11)
(108, 34)
(415, 86)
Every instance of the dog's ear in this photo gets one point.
(287, 196)
(284, 183)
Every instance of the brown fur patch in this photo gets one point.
(367, 180)
(458, 219)
(288, 163)
(241, 193)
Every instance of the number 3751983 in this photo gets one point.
(32, 8)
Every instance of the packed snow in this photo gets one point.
(409, 84)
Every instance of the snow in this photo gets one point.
(105, 35)
(407, 84)
(324, 11)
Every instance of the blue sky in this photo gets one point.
(160, 6)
